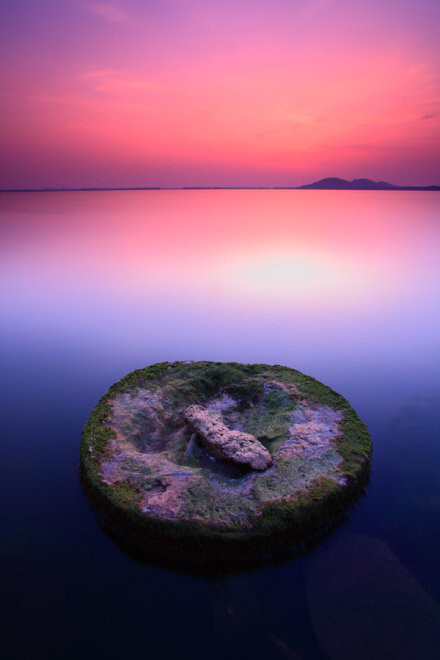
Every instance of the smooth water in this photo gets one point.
(341, 285)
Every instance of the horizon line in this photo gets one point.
(409, 188)
(327, 183)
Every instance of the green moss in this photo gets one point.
(126, 495)
(246, 391)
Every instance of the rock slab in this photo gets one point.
(224, 443)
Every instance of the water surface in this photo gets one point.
(343, 285)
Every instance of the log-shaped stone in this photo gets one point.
(224, 443)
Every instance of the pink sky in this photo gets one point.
(198, 92)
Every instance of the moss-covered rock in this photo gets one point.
(154, 482)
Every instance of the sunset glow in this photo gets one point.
(219, 285)
(201, 93)
(199, 250)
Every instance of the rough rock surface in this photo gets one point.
(153, 454)
(224, 443)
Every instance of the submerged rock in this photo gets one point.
(221, 442)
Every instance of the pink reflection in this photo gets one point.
(294, 277)
(322, 247)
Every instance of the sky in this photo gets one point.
(218, 92)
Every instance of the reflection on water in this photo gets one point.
(244, 272)
(365, 604)
(341, 285)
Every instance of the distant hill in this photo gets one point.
(333, 183)
(330, 183)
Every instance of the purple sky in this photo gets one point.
(172, 93)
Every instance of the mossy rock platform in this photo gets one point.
(155, 483)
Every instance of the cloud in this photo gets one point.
(113, 81)
(108, 12)
(428, 116)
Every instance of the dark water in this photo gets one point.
(341, 285)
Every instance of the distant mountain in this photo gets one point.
(333, 183)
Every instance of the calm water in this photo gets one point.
(342, 285)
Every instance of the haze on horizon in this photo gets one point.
(218, 93)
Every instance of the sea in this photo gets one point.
(342, 285)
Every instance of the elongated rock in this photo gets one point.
(224, 443)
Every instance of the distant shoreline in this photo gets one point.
(323, 184)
